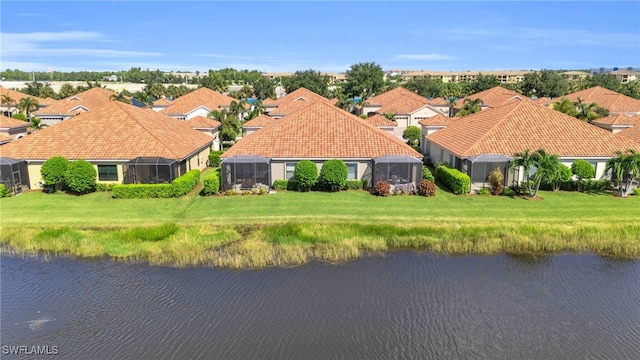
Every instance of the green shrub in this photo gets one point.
(355, 185)
(306, 174)
(333, 175)
(53, 171)
(214, 158)
(600, 185)
(412, 135)
(4, 192)
(211, 183)
(427, 175)
(104, 187)
(142, 191)
(524, 186)
(20, 116)
(81, 176)
(382, 188)
(495, 181)
(457, 181)
(507, 191)
(427, 188)
(280, 184)
(636, 191)
(484, 192)
(184, 184)
(583, 171)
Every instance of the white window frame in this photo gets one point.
(355, 172)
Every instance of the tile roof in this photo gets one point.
(379, 120)
(162, 102)
(398, 101)
(4, 138)
(260, 121)
(494, 97)
(7, 122)
(88, 99)
(437, 102)
(618, 120)
(608, 99)
(17, 96)
(296, 100)
(438, 120)
(632, 134)
(115, 131)
(201, 122)
(268, 102)
(321, 131)
(521, 125)
(206, 97)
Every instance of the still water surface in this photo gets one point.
(402, 305)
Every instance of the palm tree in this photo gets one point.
(390, 116)
(625, 167)
(27, 105)
(230, 124)
(451, 102)
(361, 103)
(36, 123)
(6, 100)
(470, 106)
(257, 110)
(345, 103)
(586, 112)
(526, 160)
(565, 106)
(237, 108)
(548, 167)
(120, 97)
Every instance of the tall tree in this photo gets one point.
(36, 123)
(308, 79)
(525, 160)
(27, 105)
(565, 106)
(451, 102)
(625, 167)
(364, 80)
(589, 112)
(605, 80)
(548, 168)
(426, 87)
(214, 81)
(263, 88)
(230, 124)
(470, 106)
(544, 83)
(66, 90)
(483, 82)
(120, 97)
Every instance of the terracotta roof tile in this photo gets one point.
(261, 121)
(297, 100)
(268, 102)
(521, 125)
(379, 120)
(437, 102)
(494, 97)
(7, 122)
(88, 99)
(632, 134)
(17, 96)
(201, 122)
(438, 120)
(206, 97)
(618, 120)
(115, 131)
(394, 95)
(162, 102)
(608, 99)
(321, 131)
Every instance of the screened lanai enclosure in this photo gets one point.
(152, 170)
(402, 172)
(14, 174)
(245, 173)
(479, 167)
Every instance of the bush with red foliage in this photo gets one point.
(427, 188)
(382, 188)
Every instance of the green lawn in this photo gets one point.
(290, 228)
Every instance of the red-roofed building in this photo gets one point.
(208, 126)
(480, 142)
(12, 129)
(317, 132)
(113, 136)
(294, 101)
(430, 125)
(197, 103)
(491, 98)
(12, 97)
(632, 134)
(160, 104)
(74, 105)
(617, 122)
(258, 123)
(615, 102)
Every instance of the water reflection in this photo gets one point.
(404, 304)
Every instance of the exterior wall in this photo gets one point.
(199, 160)
(197, 112)
(16, 132)
(423, 113)
(52, 120)
(427, 130)
(251, 130)
(438, 154)
(370, 108)
(278, 168)
(443, 109)
(35, 178)
(158, 108)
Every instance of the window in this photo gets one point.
(352, 171)
(107, 173)
(290, 167)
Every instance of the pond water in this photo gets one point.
(401, 305)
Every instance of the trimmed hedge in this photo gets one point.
(585, 185)
(455, 180)
(4, 192)
(211, 183)
(306, 174)
(427, 175)
(185, 183)
(636, 191)
(104, 187)
(355, 185)
(80, 176)
(179, 187)
(291, 185)
(214, 158)
(142, 191)
(333, 175)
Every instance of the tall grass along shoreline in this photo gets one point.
(293, 243)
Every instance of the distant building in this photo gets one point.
(503, 76)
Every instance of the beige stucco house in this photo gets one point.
(113, 137)
(74, 105)
(197, 103)
(12, 129)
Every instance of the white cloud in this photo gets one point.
(425, 57)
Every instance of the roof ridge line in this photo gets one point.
(147, 129)
(496, 125)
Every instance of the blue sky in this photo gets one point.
(324, 36)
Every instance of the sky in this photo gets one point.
(287, 36)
